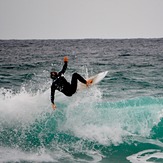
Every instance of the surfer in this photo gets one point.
(60, 83)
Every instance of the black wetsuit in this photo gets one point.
(61, 84)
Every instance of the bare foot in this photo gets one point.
(89, 82)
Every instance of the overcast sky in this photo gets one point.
(73, 19)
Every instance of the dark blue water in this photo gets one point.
(118, 120)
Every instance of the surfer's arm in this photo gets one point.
(64, 66)
(52, 97)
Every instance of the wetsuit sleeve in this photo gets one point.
(63, 69)
(52, 93)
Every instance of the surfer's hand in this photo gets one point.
(54, 106)
(65, 59)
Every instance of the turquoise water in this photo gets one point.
(117, 121)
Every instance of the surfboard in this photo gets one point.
(95, 79)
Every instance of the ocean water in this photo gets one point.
(118, 120)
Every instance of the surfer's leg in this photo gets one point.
(74, 81)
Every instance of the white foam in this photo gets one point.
(15, 155)
(22, 107)
(145, 156)
(86, 120)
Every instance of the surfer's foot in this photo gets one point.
(89, 82)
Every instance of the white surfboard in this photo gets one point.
(96, 79)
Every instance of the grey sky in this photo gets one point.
(71, 19)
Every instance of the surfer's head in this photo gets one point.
(53, 74)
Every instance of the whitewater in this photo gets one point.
(119, 120)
